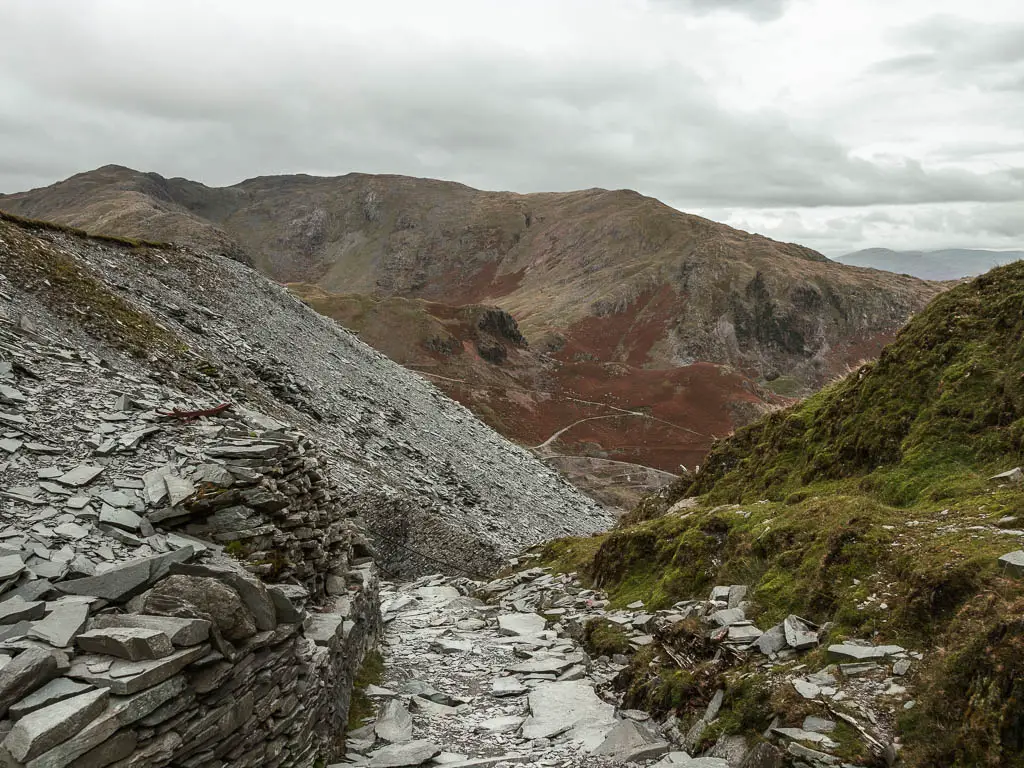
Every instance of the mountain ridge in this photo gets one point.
(938, 264)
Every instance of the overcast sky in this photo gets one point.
(833, 123)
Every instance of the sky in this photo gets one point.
(836, 124)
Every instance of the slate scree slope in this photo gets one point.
(184, 583)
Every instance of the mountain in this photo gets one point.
(886, 513)
(945, 264)
(626, 306)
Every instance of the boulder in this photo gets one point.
(124, 581)
(210, 597)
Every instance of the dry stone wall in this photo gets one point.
(174, 590)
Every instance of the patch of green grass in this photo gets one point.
(34, 265)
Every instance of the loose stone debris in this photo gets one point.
(494, 674)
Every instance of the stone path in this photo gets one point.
(475, 684)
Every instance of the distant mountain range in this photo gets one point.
(947, 264)
(634, 332)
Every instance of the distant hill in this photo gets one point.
(947, 264)
(624, 304)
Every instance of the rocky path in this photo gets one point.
(470, 683)
(491, 674)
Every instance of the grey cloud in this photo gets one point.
(760, 10)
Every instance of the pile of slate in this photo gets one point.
(138, 624)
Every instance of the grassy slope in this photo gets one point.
(874, 491)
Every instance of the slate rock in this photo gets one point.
(56, 690)
(132, 643)
(39, 731)
(849, 652)
(252, 591)
(27, 672)
(572, 708)
(81, 475)
(128, 677)
(62, 625)
(210, 597)
(1013, 563)
(17, 609)
(181, 632)
(394, 723)
(410, 753)
(507, 686)
(629, 741)
(126, 580)
(518, 624)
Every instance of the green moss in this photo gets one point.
(370, 673)
(39, 224)
(602, 637)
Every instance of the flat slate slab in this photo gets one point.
(45, 728)
(126, 580)
(410, 753)
(56, 690)
(60, 628)
(27, 672)
(81, 475)
(132, 643)
(1013, 563)
(847, 652)
(127, 677)
(572, 708)
(181, 632)
(517, 624)
(394, 723)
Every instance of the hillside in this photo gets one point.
(945, 264)
(422, 472)
(877, 510)
(611, 415)
(609, 275)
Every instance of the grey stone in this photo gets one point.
(45, 728)
(211, 597)
(60, 628)
(516, 624)
(798, 634)
(252, 591)
(17, 609)
(181, 632)
(254, 451)
(81, 475)
(126, 580)
(122, 518)
(28, 671)
(178, 489)
(121, 712)
(285, 605)
(571, 708)
(714, 706)
(56, 690)
(501, 724)
(901, 667)
(72, 531)
(127, 677)
(323, 628)
(214, 474)
(628, 741)
(818, 724)
(1013, 563)
(132, 643)
(410, 753)
(154, 488)
(772, 641)
(117, 498)
(507, 686)
(446, 645)
(849, 652)
(394, 723)
(11, 566)
(728, 616)
(1014, 475)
